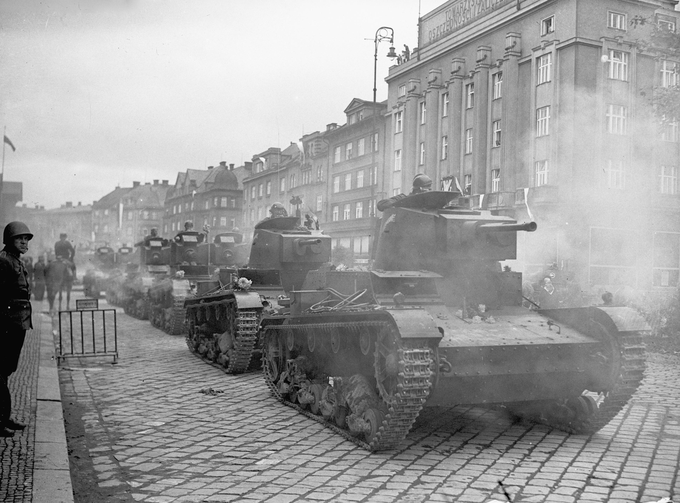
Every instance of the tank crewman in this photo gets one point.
(64, 250)
(15, 314)
(421, 183)
(147, 239)
(189, 228)
(276, 211)
(39, 278)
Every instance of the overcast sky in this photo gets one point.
(100, 93)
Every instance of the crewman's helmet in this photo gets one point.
(14, 229)
(62, 235)
(188, 225)
(277, 210)
(422, 181)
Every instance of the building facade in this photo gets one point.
(211, 197)
(541, 110)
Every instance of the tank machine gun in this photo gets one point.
(437, 321)
(224, 316)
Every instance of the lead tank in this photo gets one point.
(438, 321)
(224, 316)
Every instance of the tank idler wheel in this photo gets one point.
(290, 340)
(374, 417)
(311, 341)
(336, 340)
(316, 390)
(365, 341)
(583, 406)
(274, 358)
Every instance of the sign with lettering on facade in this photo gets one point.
(453, 16)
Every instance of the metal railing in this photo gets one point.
(93, 333)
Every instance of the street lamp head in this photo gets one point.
(392, 54)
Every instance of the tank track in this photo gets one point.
(175, 326)
(413, 384)
(587, 414)
(246, 337)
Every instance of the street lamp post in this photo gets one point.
(382, 33)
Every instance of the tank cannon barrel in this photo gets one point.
(529, 227)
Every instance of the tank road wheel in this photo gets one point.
(374, 417)
(387, 364)
(311, 340)
(273, 358)
(340, 415)
(290, 340)
(316, 390)
(336, 340)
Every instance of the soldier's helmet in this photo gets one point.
(14, 229)
(188, 225)
(277, 210)
(62, 235)
(422, 182)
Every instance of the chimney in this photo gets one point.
(69, 204)
(211, 167)
(223, 164)
(135, 184)
(331, 126)
(155, 182)
(79, 203)
(231, 167)
(165, 182)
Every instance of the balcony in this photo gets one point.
(545, 194)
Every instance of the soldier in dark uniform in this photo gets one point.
(64, 249)
(277, 210)
(15, 314)
(421, 183)
(39, 278)
(147, 239)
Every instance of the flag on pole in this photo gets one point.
(9, 142)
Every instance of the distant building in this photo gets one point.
(127, 214)
(10, 194)
(210, 197)
(541, 110)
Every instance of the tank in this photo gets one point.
(188, 261)
(94, 280)
(436, 321)
(224, 315)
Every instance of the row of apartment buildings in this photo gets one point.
(538, 109)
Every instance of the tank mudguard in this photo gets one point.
(619, 319)
(248, 300)
(415, 324)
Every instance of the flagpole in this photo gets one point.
(2, 173)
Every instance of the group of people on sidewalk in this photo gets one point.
(17, 276)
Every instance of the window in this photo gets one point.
(361, 146)
(616, 20)
(495, 180)
(402, 90)
(260, 213)
(252, 196)
(669, 74)
(361, 244)
(348, 181)
(421, 154)
(547, 25)
(544, 69)
(612, 256)
(293, 181)
(337, 155)
(666, 259)
(260, 190)
(468, 141)
(445, 104)
(319, 203)
(359, 210)
(282, 184)
(397, 160)
(371, 208)
(398, 122)
(497, 81)
(336, 184)
(666, 24)
(268, 190)
(373, 175)
(130, 214)
(374, 142)
(669, 131)
(496, 136)
(467, 182)
(668, 180)
(360, 179)
(469, 95)
(335, 213)
(423, 112)
(614, 174)
(445, 147)
(541, 173)
(618, 65)
(223, 221)
(206, 204)
(346, 211)
(348, 151)
(543, 121)
(306, 176)
(616, 119)
(319, 174)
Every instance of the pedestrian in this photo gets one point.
(15, 314)
(64, 250)
(39, 278)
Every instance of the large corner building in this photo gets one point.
(542, 110)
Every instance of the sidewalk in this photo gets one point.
(34, 464)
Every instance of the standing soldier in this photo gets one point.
(39, 278)
(15, 314)
(64, 249)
